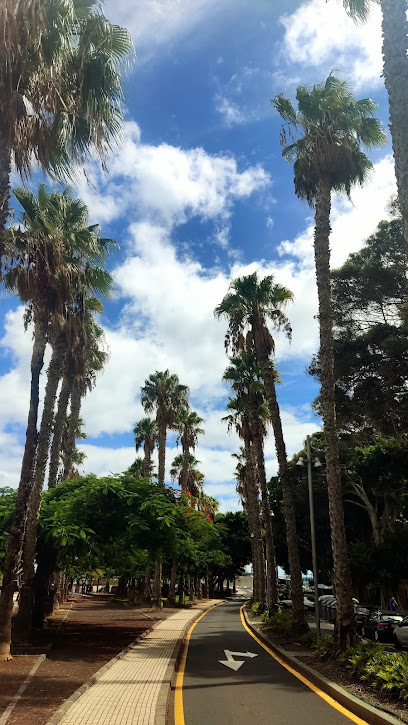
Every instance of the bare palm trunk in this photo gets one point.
(5, 172)
(298, 613)
(255, 526)
(395, 30)
(59, 423)
(15, 544)
(146, 461)
(271, 570)
(157, 597)
(344, 628)
(162, 452)
(22, 622)
(72, 430)
(184, 472)
(147, 593)
(171, 600)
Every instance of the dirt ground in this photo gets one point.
(86, 632)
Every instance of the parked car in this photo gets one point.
(362, 615)
(381, 626)
(400, 634)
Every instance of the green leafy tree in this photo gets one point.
(330, 126)
(145, 433)
(189, 428)
(60, 86)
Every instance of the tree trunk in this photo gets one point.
(298, 613)
(181, 593)
(184, 472)
(146, 461)
(5, 172)
(22, 621)
(255, 525)
(72, 430)
(157, 596)
(147, 594)
(171, 599)
(271, 570)
(344, 628)
(395, 30)
(59, 423)
(47, 559)
(206, 588)
(16, 539)
(162, 452)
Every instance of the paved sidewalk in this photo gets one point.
(127, 693)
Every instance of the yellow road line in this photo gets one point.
(178, 692)
(300, 677)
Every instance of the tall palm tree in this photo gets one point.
(163, 393)
(395, 72)
(145, 433)
(46, 260)
(188, 427)
(247, 306)
(66, 221)
(238, 418)
(244, 375)
(331, 126)
(60, 86)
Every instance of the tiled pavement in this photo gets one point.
(127, 693)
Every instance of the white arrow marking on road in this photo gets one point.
(235, 664)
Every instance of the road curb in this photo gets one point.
(62, 710)
(168, 685)
(369, 713)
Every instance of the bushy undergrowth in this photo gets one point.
(281, 622)
(325, 647)
(386, 671)
(309, 639)
(255, 607)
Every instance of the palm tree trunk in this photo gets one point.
(59, 423)
(157, 597)
(162, 452)
(171, 600)
(184, 472)
(254, 522)
(146, 461)
(344, 629)
(15, 544)
(395, 30)
(73, 427)
(298, 612)
(147, 593)
(22, 622)
(271, 570)
(5, 172)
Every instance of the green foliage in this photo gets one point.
(281, 623)
(386, 671)
(309, 639)
(325, 647)
(7, 503)
(255, 607)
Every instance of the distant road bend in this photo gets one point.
(228, 678)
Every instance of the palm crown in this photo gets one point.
(332, 126)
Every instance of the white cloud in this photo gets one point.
(231, 114)
(320, 33)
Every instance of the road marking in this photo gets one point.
(178, 691)
(9, 709)
(303, 679)
(235, 664)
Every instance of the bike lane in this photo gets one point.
(229, 678)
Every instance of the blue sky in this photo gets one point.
(197, 194)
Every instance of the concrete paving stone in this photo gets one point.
(127, 693)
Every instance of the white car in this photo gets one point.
(400, 635)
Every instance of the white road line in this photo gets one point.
(10, 707)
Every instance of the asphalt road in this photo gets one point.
(260, 692)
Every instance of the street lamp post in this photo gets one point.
(317, 464)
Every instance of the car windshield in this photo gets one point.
(390, 618)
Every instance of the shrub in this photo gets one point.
(383, 670)
(355, 658)
(255, 607)
(309, 639)
(281, 623)
(325, 647)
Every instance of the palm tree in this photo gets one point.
(238, 418)
(247, 306)
(65, 220)
(188, 427)
(60, 86)
(327, 156)
(164, 394)
(395, 72)
(193, 479)
(208, 505)
(145, 433)
(244, 375)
